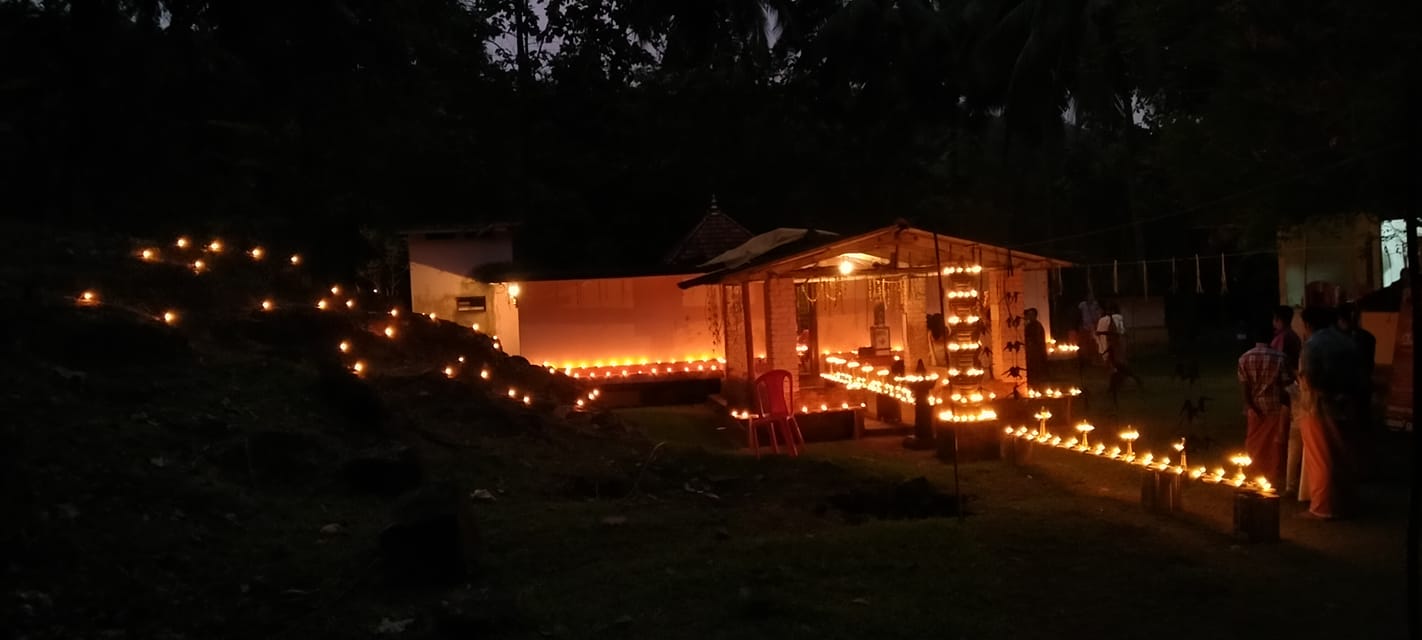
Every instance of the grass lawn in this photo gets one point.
(1060, 548)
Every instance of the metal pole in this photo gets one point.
(1414, 507)
(943, 311)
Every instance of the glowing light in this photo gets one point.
(513, 392)
(199, 266)
(461, 359)
(358, 367)
(170, 317)
(148, 255)
(484, 374)
(389, 331)
(350, 304)
(88, 299)
(394, 312)
(527, 400)
(449, 372)
(295, 258)
(474, 326)
(514, 290)
(322, 304)
(257, 253)
(345, 346)
(335, 289)
(184, 243)
(215, 246)
(846, 267)
(268, 305)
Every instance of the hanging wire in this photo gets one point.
(1145, 280)
(1224, 281)
(1199, 286)
(1115, 277)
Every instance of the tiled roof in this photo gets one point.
(717, 233)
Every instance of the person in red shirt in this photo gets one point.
(1261, 378)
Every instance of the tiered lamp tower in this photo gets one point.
(966, 398)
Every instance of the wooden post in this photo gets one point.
(1016, 451)
(1256, 516)
(1160, 491)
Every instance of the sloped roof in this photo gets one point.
(785, 250)
(715, 234)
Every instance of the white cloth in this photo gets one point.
(1109, 324)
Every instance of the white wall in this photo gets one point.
(1343, 251)
(439, 273)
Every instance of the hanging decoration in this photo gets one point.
(1115, 277)
(1224, 279)
(1199, 286)
(1145, 280)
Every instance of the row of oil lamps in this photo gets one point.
(1041, 435)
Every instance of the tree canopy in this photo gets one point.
(1085, 128)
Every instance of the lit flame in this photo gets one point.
(322, 304)
(148, 255)
(257, 253)
(215, 246)
(88, 298)
(358, 367)
(449, 372)
(345, 347)
(389, 332)
(170, 317)
(295, 258)
(183, 242)
(350, 304)
(268, 305)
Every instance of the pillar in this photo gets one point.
(782, 327)
(917, 342)
(738, 368)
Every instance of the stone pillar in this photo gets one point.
(781, 327)
(917, 342)
(997, 327)
(737, 369)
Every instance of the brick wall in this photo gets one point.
(781, 327)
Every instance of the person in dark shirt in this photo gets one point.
(1367, 345)
(1328, 381)
(1034, 343)
(1286, 341)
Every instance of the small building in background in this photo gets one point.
(1331, 260)
(587, 320)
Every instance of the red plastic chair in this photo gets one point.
(774, 395)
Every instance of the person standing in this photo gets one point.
(1089, 310)
(1350, 325)
(1261, 377)
(1289, 343)
(1111, 336)
(1034, 343)
(1285, 339)
(1328, 375)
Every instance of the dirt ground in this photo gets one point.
(230, 477)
